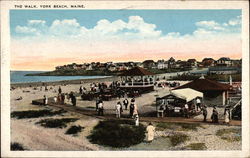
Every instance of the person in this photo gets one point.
(198, 104)
(100, 108)
(135, 112)
(96, 103)
(125, 103)
(58, 98)
(62, 98)
(68, 98)
(150, 132)
(118, 109)
(214, 116)
(84, 90)
(137, 120)
(55, 99)
(186, 113)
(73, 100)
(227, 115)
(46, 100)
(160, 111)
(81, 89)
(59, 90)
(132, 107)
(46, 88)
(204, 112)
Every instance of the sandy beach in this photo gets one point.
(35, 137)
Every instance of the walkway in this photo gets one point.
(110, 114)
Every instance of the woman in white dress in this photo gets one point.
(226, 116)
(151, 131)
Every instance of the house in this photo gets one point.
(207, 62)
(112, 68)
(161, 64)
(89, 67)
(237, 63)
(215, 93)
(171, 63)
(192, 62)
(148, 64)
(224, 61)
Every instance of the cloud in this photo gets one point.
(135, 28)
(26, 30)
(236, 21)
(119, 40)
(211, 25)
(36, 22)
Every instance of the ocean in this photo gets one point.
(19, 77)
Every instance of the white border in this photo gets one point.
(5, 77)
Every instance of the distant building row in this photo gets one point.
(160, 64)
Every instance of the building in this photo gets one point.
(148, 64)
(137, 79)
(224, 61)
(215, 93)
(161, 64)
(207, 62)
(171, 63)
(192, 62)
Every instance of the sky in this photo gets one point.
(43, 39)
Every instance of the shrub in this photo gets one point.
(164, 125)
(196, 146)
(177, 126)
(74, 129)
(230, 135)
(56, 123)
(16, 146)
(117, 133)
(35, 113)
(178, 139)
(189, 126)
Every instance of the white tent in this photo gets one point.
(187, 94)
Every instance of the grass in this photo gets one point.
(16, 146)
(117, 133)
(35, 113)
(56, 123)
(74, 130)
(90, 107)
(230, 135)
(196, 146)
(178, 139)
(178, 126)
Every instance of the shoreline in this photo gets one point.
(77, 81)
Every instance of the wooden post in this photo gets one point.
(143, 80)
(223, 97)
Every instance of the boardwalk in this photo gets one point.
(110, 114)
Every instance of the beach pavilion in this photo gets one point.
(138, 79)
(175, 100)
(215, 93)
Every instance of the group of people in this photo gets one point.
(98, 87)
(215, 115)
(133, 109)
(61, 98)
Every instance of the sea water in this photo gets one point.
(19, 77)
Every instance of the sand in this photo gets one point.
(35, 137)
